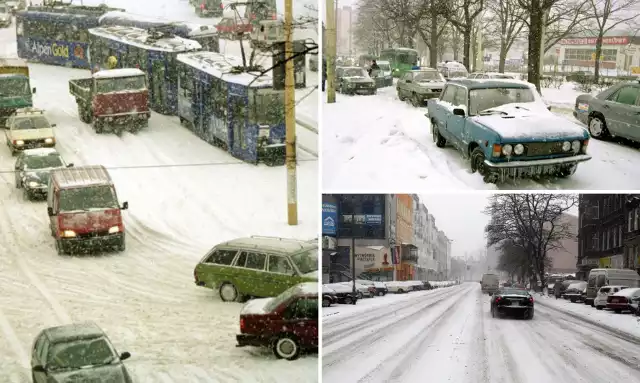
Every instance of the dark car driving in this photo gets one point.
(512, 301)
(33, 168)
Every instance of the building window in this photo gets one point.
(614, 234)
(602, 243)
(588, 54)
(620, 235)
(595, 242)
(596, 210)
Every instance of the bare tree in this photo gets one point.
(508, 21)
(608, 15)
(566, 17)
(531, 222)
(513, 259)
(462, 14)
(431, 29)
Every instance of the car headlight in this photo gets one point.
(68, 233)
(566, 146)
(575, 146)
(19, 142)
(518, 149)
(49, 140)
(114, 229)
(33, 184)
(507, 150)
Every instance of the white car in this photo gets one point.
(399, 287)
(5, 16)
(29, 128)
(342, 287)
(600, 300)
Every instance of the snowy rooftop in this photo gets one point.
(82, 176)
(40, 152)
(195, 29)
(123, 72)
(286, 245)
(222, 66)
(140, 38)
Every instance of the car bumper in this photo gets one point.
(428, 96)
(581, 116)
(513, 309)
(38, 191)
(33, 145)
(106, 241)
(251, 340)
(618, 306)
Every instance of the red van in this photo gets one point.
(84, 211)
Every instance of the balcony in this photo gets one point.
(410, 257)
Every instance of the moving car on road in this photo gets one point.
(354, 80)
(33, 168)
(512, 301)
(613, 112)
(28, 128)
(420, 85)
(79, 352)
(600, 301)
(506, 131)
(287, 323)
(624, 300)
(576, 292)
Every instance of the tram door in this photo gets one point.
(202, 104)
(158, 87)
(236, 123)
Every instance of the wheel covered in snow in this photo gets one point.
(437, 137)
(228, 292)
(286, 347)
(598, 127)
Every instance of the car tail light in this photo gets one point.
(497, 150)
(241, 324)
(498, 299)
(274, 17)
(531, 299)
(221, 6)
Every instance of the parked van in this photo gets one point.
(609, 277)
(490, 283)
(257, 267)
(83, 210)
(452, 69)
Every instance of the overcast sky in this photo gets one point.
(460, 216)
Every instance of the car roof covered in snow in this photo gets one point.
(141, 38)
(628, 292)
(308, 288)
(490, 83)
(40, 152)
(74, 331)
(12, 61)
(225, 67)
(81, 176)
(122, 72)
(12, 75)
(273, 244)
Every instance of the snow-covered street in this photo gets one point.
(185, 196)
(448, 335)
(383, 143)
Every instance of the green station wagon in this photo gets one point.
(257, 267)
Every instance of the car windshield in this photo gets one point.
(14, 86)
(306, 261)
(385, 67)
(427, 76)
(88, 198)
(481, 100)
(513, 291)
(286, 295)
(43, 162)
(120, 84)
(80, 353)
(30, 122)
(354, 72)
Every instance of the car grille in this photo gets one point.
(543, 148)
(93, 234)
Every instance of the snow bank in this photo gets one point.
(627, 292)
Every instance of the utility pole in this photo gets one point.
(330, 51)
(353, 263)
(290, 115)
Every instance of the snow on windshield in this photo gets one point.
(427, 76)
(43, 162)
(487, 98)
(81, 353)
(354, 72)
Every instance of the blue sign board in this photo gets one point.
(329, 218)
(373, 219)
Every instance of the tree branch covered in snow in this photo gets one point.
(464, 22)
(506, 22)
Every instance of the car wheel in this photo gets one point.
(326, 303)
(25, 195)
(493, 312)
(286, 347)
(599, 307)
(400, 97)
(477, 165)
(400, 291)
(348, 301)
(359, 295)
(228, 292)
(122, 246)
(415, 101)
(617, 311)
(530, 316)
(598, 128)
(60, 248)
(380, 293)
(19, 183)
(440, 141)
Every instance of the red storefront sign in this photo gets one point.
(592, 41)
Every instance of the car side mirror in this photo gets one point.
(50, 211)
(125, 205)
(70, 165)
(39, 369)
(549, 108)
(33, 90)
(53, 125)
(458, 112)
(125, 355)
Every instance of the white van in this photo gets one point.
(452, 69)
(609, 277)
(490, 283)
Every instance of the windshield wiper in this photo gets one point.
(488, 112)
(521, 107)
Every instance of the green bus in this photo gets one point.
(401, 59)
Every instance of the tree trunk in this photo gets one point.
(535, 29)
(503, 56)
(596, 65)
(433, 49)
(466, 47)
(455, 44)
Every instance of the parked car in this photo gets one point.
(354, 80)
(624, 300)
(452, 70)
(490, 283)
(420, 85)
(505, 130)
(613, 112)
(600, 300)
(33, 169)
(362, 291)
(83, 209)
(342, 293)
(29, 128)
(401, 287)
(257, 267)
(288, 323)
(78, 352)
(609, 277)
(375, 287)
(576, 292)
(512, 301)
(490, 75)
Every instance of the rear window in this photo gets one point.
(606, 290)
(222, 257)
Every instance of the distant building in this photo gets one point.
(564, 258)
(345, 18)
(620, 50)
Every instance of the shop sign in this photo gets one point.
(329, 218)
(593, 40)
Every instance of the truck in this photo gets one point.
(15, 88)
(113, 100)
(490, 283)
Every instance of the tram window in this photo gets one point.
(83, 36)
(220, 97)
(239, 118)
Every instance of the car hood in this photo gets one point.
(32, 134)
(311, 275)
(40, 175)
(430, 84)
(535, 124)
(102, 374)
(90, 221)
(358, 79)
(256, 306)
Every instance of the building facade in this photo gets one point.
(345, 18)
(420, 240)
(620, 50)
(404, 238)
(632, 231)
(564, 258)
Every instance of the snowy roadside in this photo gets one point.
(620, 323)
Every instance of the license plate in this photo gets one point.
(363, 91)
(532, 170)
(515, 303)
(614, 301)
(583, 107)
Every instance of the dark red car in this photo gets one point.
(287, 323)
(230, 28)
(624, 300)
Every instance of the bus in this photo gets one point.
(206, 35)
(153, 53)
(57, 35)
(401, 59)
(235, 110)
